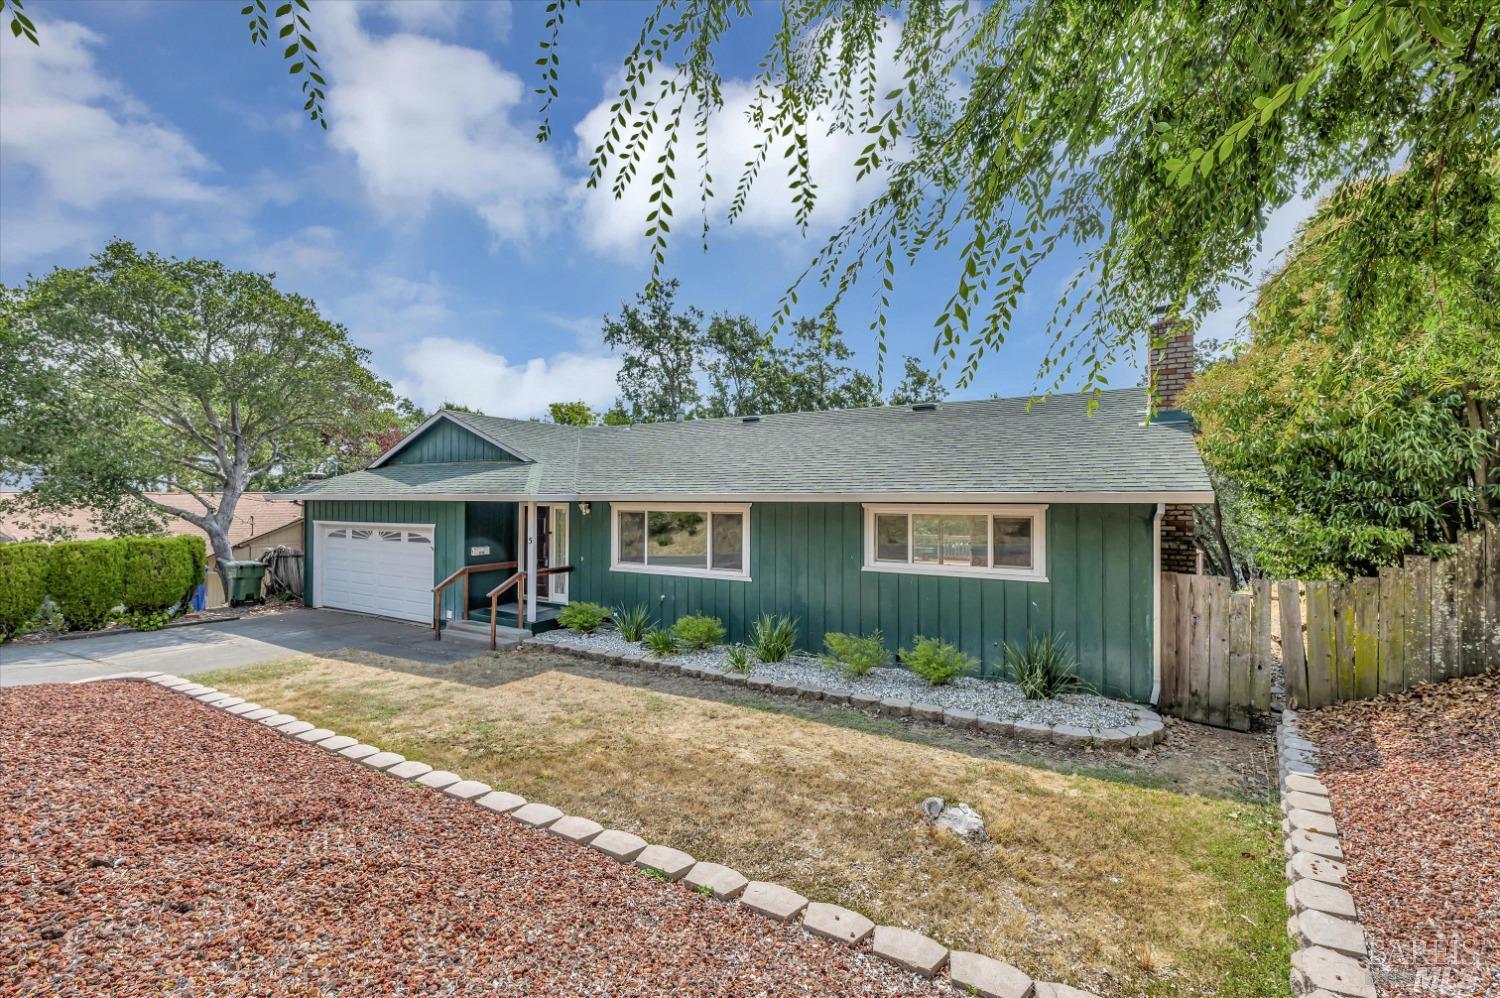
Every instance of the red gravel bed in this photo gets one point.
(150, 843)
(1414, 781)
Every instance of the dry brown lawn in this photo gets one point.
(1090, 878)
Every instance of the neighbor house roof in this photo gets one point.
(254, 514)
(988, 448)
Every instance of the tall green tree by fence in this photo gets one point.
(1352, 429)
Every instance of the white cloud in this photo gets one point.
(616, 226)
(440, 368)
(74, 142)
(428, 122)
(444, 17)
(588, 330)
(314, 250)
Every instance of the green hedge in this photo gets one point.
(197, 552)
(157, 571)
(87, 580)
(23, 584)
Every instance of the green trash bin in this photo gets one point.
(244, 581)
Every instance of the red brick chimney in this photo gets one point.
(1169, 359)
(1169, 365)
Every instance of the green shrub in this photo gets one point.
(738, 658)
(773, 638)
(1043, 667)
(661, 643)
(195, 549)
(855, 655)
(697, 631)
(87, 580)
(23, 584)
(584, 618)
(156, 571)
(148, 621)
(632, 622)
(936, 661)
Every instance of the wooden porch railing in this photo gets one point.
(462, 573)
(519, 581)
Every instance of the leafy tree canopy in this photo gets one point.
(679, 365)
(1350, 429)
(917, 384)
(572, 414)
(142, 372)
(1152, 140)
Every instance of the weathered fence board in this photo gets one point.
(1424, 621)
(1240, 647)
(1262, 660)
(1293, 658)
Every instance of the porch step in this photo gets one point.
(469, 630)
(546, 618)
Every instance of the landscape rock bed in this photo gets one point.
(988, 705)
(153, 841)
(457, 905)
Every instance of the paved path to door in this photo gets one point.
(186, 650)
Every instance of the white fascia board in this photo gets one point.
(902, 497)
(679, 498)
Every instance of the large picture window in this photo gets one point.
(998, 541)
(682, 540)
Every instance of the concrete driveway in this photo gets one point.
(186, 650)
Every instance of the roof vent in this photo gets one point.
(314, 476)
(924, 407)
(749, 419)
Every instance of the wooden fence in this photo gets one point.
(1422, 622)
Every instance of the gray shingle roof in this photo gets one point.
(989, 447)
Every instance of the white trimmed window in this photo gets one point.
(1007, 542)
(708, 540)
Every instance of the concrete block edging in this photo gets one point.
(1330, 954)
(768, 900)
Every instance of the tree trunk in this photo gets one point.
(1223, 544)
(218, 527)
(1481, 455)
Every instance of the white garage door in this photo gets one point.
(374, 569)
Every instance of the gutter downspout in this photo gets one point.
(1161, 509)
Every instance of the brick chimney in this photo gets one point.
(1169, 365)
(1169, 359)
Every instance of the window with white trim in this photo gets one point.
(993, 541)
(710, 540)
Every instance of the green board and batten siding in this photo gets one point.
(445, 443)
(448, 537)
(806, 562)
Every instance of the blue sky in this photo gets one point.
(469, 259)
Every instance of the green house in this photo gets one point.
(975, 522)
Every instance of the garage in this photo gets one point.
(384, 569)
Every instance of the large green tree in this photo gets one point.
(1350, 429)
(182, 374)
(661, 346)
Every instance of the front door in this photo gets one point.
(552, 551)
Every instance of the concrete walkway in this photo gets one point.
(186, 650)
